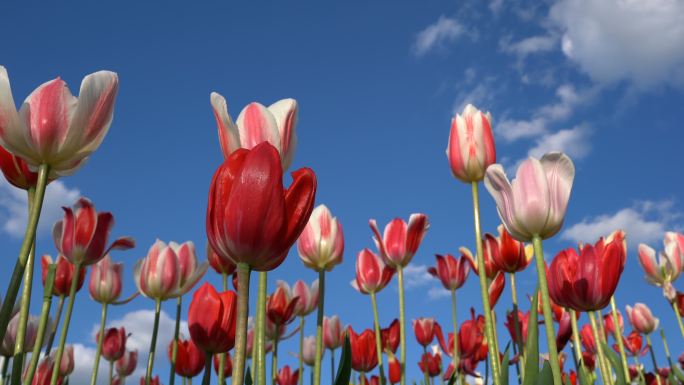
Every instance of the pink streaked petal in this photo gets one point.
(95, 109)
(454, 148)
(285, 112)
(256, 124)
(96, 248)
(229, 137)
(417, 227)
(395, 240)
(48, 112)
(500, 189)
(531, 194)
(560, 173)
(324, 220)
(66, 243)
(647, 260)
(187, 259)
(86, 222)
(377, 237)
(11, 127)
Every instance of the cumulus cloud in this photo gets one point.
(574, 142)
(437, 35)
(13, 207)
(631, 40)
(84, 359)
(416, 276)
(644, 222)
(529, 45)
(480, 92)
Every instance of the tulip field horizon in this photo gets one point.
(325, 193)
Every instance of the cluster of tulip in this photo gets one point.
(252, 221)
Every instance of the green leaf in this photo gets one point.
(583, 376)
(453, 378)
(677, 373)
(532, 344)
(248, 377)
(344, 371)
(504, 366)
(545, 377)
(616, 363)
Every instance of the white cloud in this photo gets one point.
(615, 40)
(436, 35)
(84, 359)
(417, 275)
(14, 211)
(482, 94)
(574, 142)
(495, 6)
(644, 222)
(437, 292)
(529, 45)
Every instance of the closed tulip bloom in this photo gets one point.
(424, 330)
(450, 271)
(642, 319)
(66, 367)
(168, 271)
(400, 241)
(105, 281)
(389, 336)
(489, 247)
(364, 357)
(7, 346)
(670, 262)
(309, 351)
(83, 234)
(227, 365)
(333, 334)
(609, 323)
(274, 124)
(634, 344)
(43, 374)
(394, 369)
(125, 366)
(220, 264)
(536, 201)
(287, 377)
(587, 338)
(308, 297)
(586, 281)
(372, 274)
(523, 319)
(510, 255)
(64, 274)
(471, 144)
(189, 358)
(114, 343)
(470, 336)
(280, 306)
(17, 171)
(55, 128)
(251, 218)
(321, 243)
(212, 319)
(431, 363)
(153, 381)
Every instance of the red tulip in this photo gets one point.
(609, 323)
(496, 288)
(287, 377)
(125, 366)
(570, 377)
(114, 343)
(17, 171)
(63, 274)
(374, 380)
(634, 344)
(589, 360)
(523, 320)
(227, 364)
(431, 363)
(189, 358)
(43, 374)
(251, 218)
(471, 144)
(390, 337)
(153, 381)
(394, 369)
(212, 319)
(105, 280)
(333, 334)
(83, 234)
(280, 305)
(507, 253)
(564, 332)
(470, 336)
(424, 330)
(586, 281)
(364, 356)
(587, 338)
(220, 264)
(372, 274)
(488, 248)
(450, 271)
(400, 241)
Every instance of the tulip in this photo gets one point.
(586, 281)
(523, 319)
(281, 305)
(588, 341)
(66, 367)
(221, 265)
(44, 372)
(470, 336)
(424, 330)
(116, 380)
(471, 144)
(287, 377)
(390, 337)
(256, 124)
(372, 274)
(321, 243)
(634, 344)
(333, 334)
(394, 369)
(114, 345)
(189, 358)
(450, 271)
(153, 381)
(227, 365)
(17, 171)
(63, 274)
(105, 281)
(609, 323)
(670, 262)
(431, 364)
(496, 288)
(308, 296)
(9, 341)
(507, 253)
(364, 356)
(125, 366)
(309, 351)
(212, 318)
(642, 319)
(400, 241)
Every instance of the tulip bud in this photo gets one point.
(587, 338)
(114, 343)
(105, 281)
(125, 366)
(227, 364)
(400, 241)
(642, 319)
(308, 297)
(333, 335)
(372, 275)
(189, 359)
(471, 144)
(309, 351)
(424, 330)
(8, 343)
(64, 274)
(364, 357)
(321, 243)
(212, 319)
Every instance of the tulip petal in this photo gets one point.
(285, 112)
(531, 194)
(11, 127)
(500, 189)
(256, 125)
(227, 130)
(560, 172)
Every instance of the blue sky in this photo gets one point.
(377, 84)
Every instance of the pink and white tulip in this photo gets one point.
(309, 351)
(125, 366)
(333, 333)
(255, 124)
(670, 261)
(321, 243)
(372, 274)
(66, 367)
(7, 346)
(105, 281)
(534, 204)
(400, 241)
(308, 297)
(642, 319)
(471, 144)
(168, 271)
(54, 127)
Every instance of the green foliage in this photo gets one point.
(344, 371)
(532, 345)
(248, 377)
(616, 363)
(503, 375)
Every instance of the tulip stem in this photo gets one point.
(319, 327)
(53, 328)
(454, 319)
(221, 356)
(679, 317)
(576, 341)
(153, 343)
(25, 250)
(653, 358)
(241, 324)
(665, 347)
(603, 365)
(402, 324)
(174, 342)
(301, 350)
(100, 341)
(640, 370)
(65, 325)
(42, 324)
(260, 344)
(617, 331)
(111, 372)
(274, 360)
(332, 366)
(425, 361)
(546, 307)
(484, 287)
(206, 377)
(518, 330)
(378, 339)
(5, 365)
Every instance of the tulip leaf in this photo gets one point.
(248, 377)
(344, 371)
(503, 375)
(532, 345)
(677, 373)
(582, 375)
(545, 377)
(616, 363)
(452, 379)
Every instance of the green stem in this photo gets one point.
(640, 370)
(576, 339)
(260, 328)
(5, 365)
(332, 366)
(665, 347)
(222, 356)
(679, 317)
(174, 348)
(454, 320)
(301, 350)
(153, 343)
(20, 340)
(426, 375)
(65, 326)
(546, 306)
(274, 361)
(319, 327)
(206, 378)
(653, 358)
(402, 325)
(100, 340)
(111, 372)
(518, 330)
(42, 324)
(618, 337)
(603, 365)
(24, 251)
(53, 328)
(241, 329)
(378, 339)
(484, 287)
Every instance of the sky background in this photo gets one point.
(377, 84)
